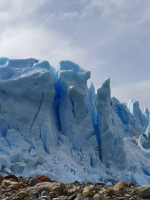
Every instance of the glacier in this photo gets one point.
(53, 122)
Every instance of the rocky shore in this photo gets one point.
(43, 188)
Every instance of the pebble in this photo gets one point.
(43, 188)
(88, 192)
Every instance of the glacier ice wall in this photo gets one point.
(52, 122)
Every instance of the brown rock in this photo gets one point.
(49, 187)
(22, 194)
(6, 183)
(11, 176)
(15, 186)
(43, 178)
(121, 185)
(1, 178)
(88, 192)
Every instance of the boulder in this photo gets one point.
(22, 194)
(144, 191)
(11, 176)
(15, 186)
(88, 192)
(34, 181)
(12, 185)
(43, 178)
(120, 185)
(49, 187)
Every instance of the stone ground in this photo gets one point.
(43, 188)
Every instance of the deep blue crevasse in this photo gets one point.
(56, 103)
(95, 120)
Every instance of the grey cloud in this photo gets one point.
(135, 90)
(110, 38)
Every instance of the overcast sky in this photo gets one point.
(107, 37)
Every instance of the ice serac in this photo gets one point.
(146, 113)
(141, 119)
(125, 120)
(111, 144)
(75, 118)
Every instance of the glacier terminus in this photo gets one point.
(53, 123)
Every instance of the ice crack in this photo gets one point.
(36, 115)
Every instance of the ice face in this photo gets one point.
(26, 99)
(52, 123)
